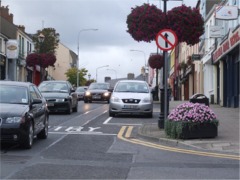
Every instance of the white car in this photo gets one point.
(132, 97)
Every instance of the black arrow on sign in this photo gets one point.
(166, 42)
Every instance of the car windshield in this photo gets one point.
(13, 94)
(81, 89)
(99, 86)
(53, 87)
(135, 87)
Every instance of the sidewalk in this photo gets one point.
(228, 131)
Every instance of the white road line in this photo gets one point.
(108, 119)
(82, 133)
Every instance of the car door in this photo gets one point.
(37, 110)
(73, 94)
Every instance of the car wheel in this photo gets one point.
(44, 133)
(111, 114)
(75, 109)
(27, 140)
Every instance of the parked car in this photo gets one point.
(60, 96)
(80, 92)
(131, 96)
(97, 92)
(23, 113)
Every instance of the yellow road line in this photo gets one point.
(166, 148)
(129, 131)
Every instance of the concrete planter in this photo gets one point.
(189, 130)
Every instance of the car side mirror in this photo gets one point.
(110, 90)
(36, 101)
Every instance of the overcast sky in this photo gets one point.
(109, 45)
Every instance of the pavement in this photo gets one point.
(227, 140)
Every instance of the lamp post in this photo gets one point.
(89, 76)
(99, 68)
(114, 71)
(145, 64)
(41, 39)
(78, 50)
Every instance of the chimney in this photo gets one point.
(22, 28)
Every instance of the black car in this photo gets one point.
(23, 113)
(60, 96)
(97, 92)
(80, 92)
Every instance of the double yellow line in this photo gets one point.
(125, 134)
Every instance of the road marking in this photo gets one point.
(129, 131)
(84, 133)
(167, 148)
(107, 120)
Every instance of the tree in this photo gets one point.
(50, 42)
(72, 76)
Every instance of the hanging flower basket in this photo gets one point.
(144, 22)
(156, 61)
(43, 60)
(191, 120)
(187, 23)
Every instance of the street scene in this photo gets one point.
(119, 89)
(90, 145)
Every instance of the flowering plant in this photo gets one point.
(43, 60)
(156, 61)
(144, 22)
(192, 112)
(187, 23)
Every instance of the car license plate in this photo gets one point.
(96, 97)
(130, 106)
(50, 104)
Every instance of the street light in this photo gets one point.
(41, 39)
(145, 64)
(78, 50)
(99, 68)
(114, 71)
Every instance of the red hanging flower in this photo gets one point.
(43, 60)
(156, 61)
(187, 23)
(144, 22)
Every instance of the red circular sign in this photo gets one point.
(166, 39)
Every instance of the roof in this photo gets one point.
(16, 83)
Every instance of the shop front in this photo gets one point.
(226, 58)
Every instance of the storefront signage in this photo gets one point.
(232, 41)
(226, 12)
(12, 49)
(216, 31)
(196, 57)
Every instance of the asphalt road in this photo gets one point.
(89, 145)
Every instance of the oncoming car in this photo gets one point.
(60, 96)
(23, 113)
(97, 92)
(131, 97)
(80, 92)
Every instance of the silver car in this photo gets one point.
(131, 96)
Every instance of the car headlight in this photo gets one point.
(87, 93)
(146, 100)
(106, 94)
(60, 100)
(12, 120)
(115, 99)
